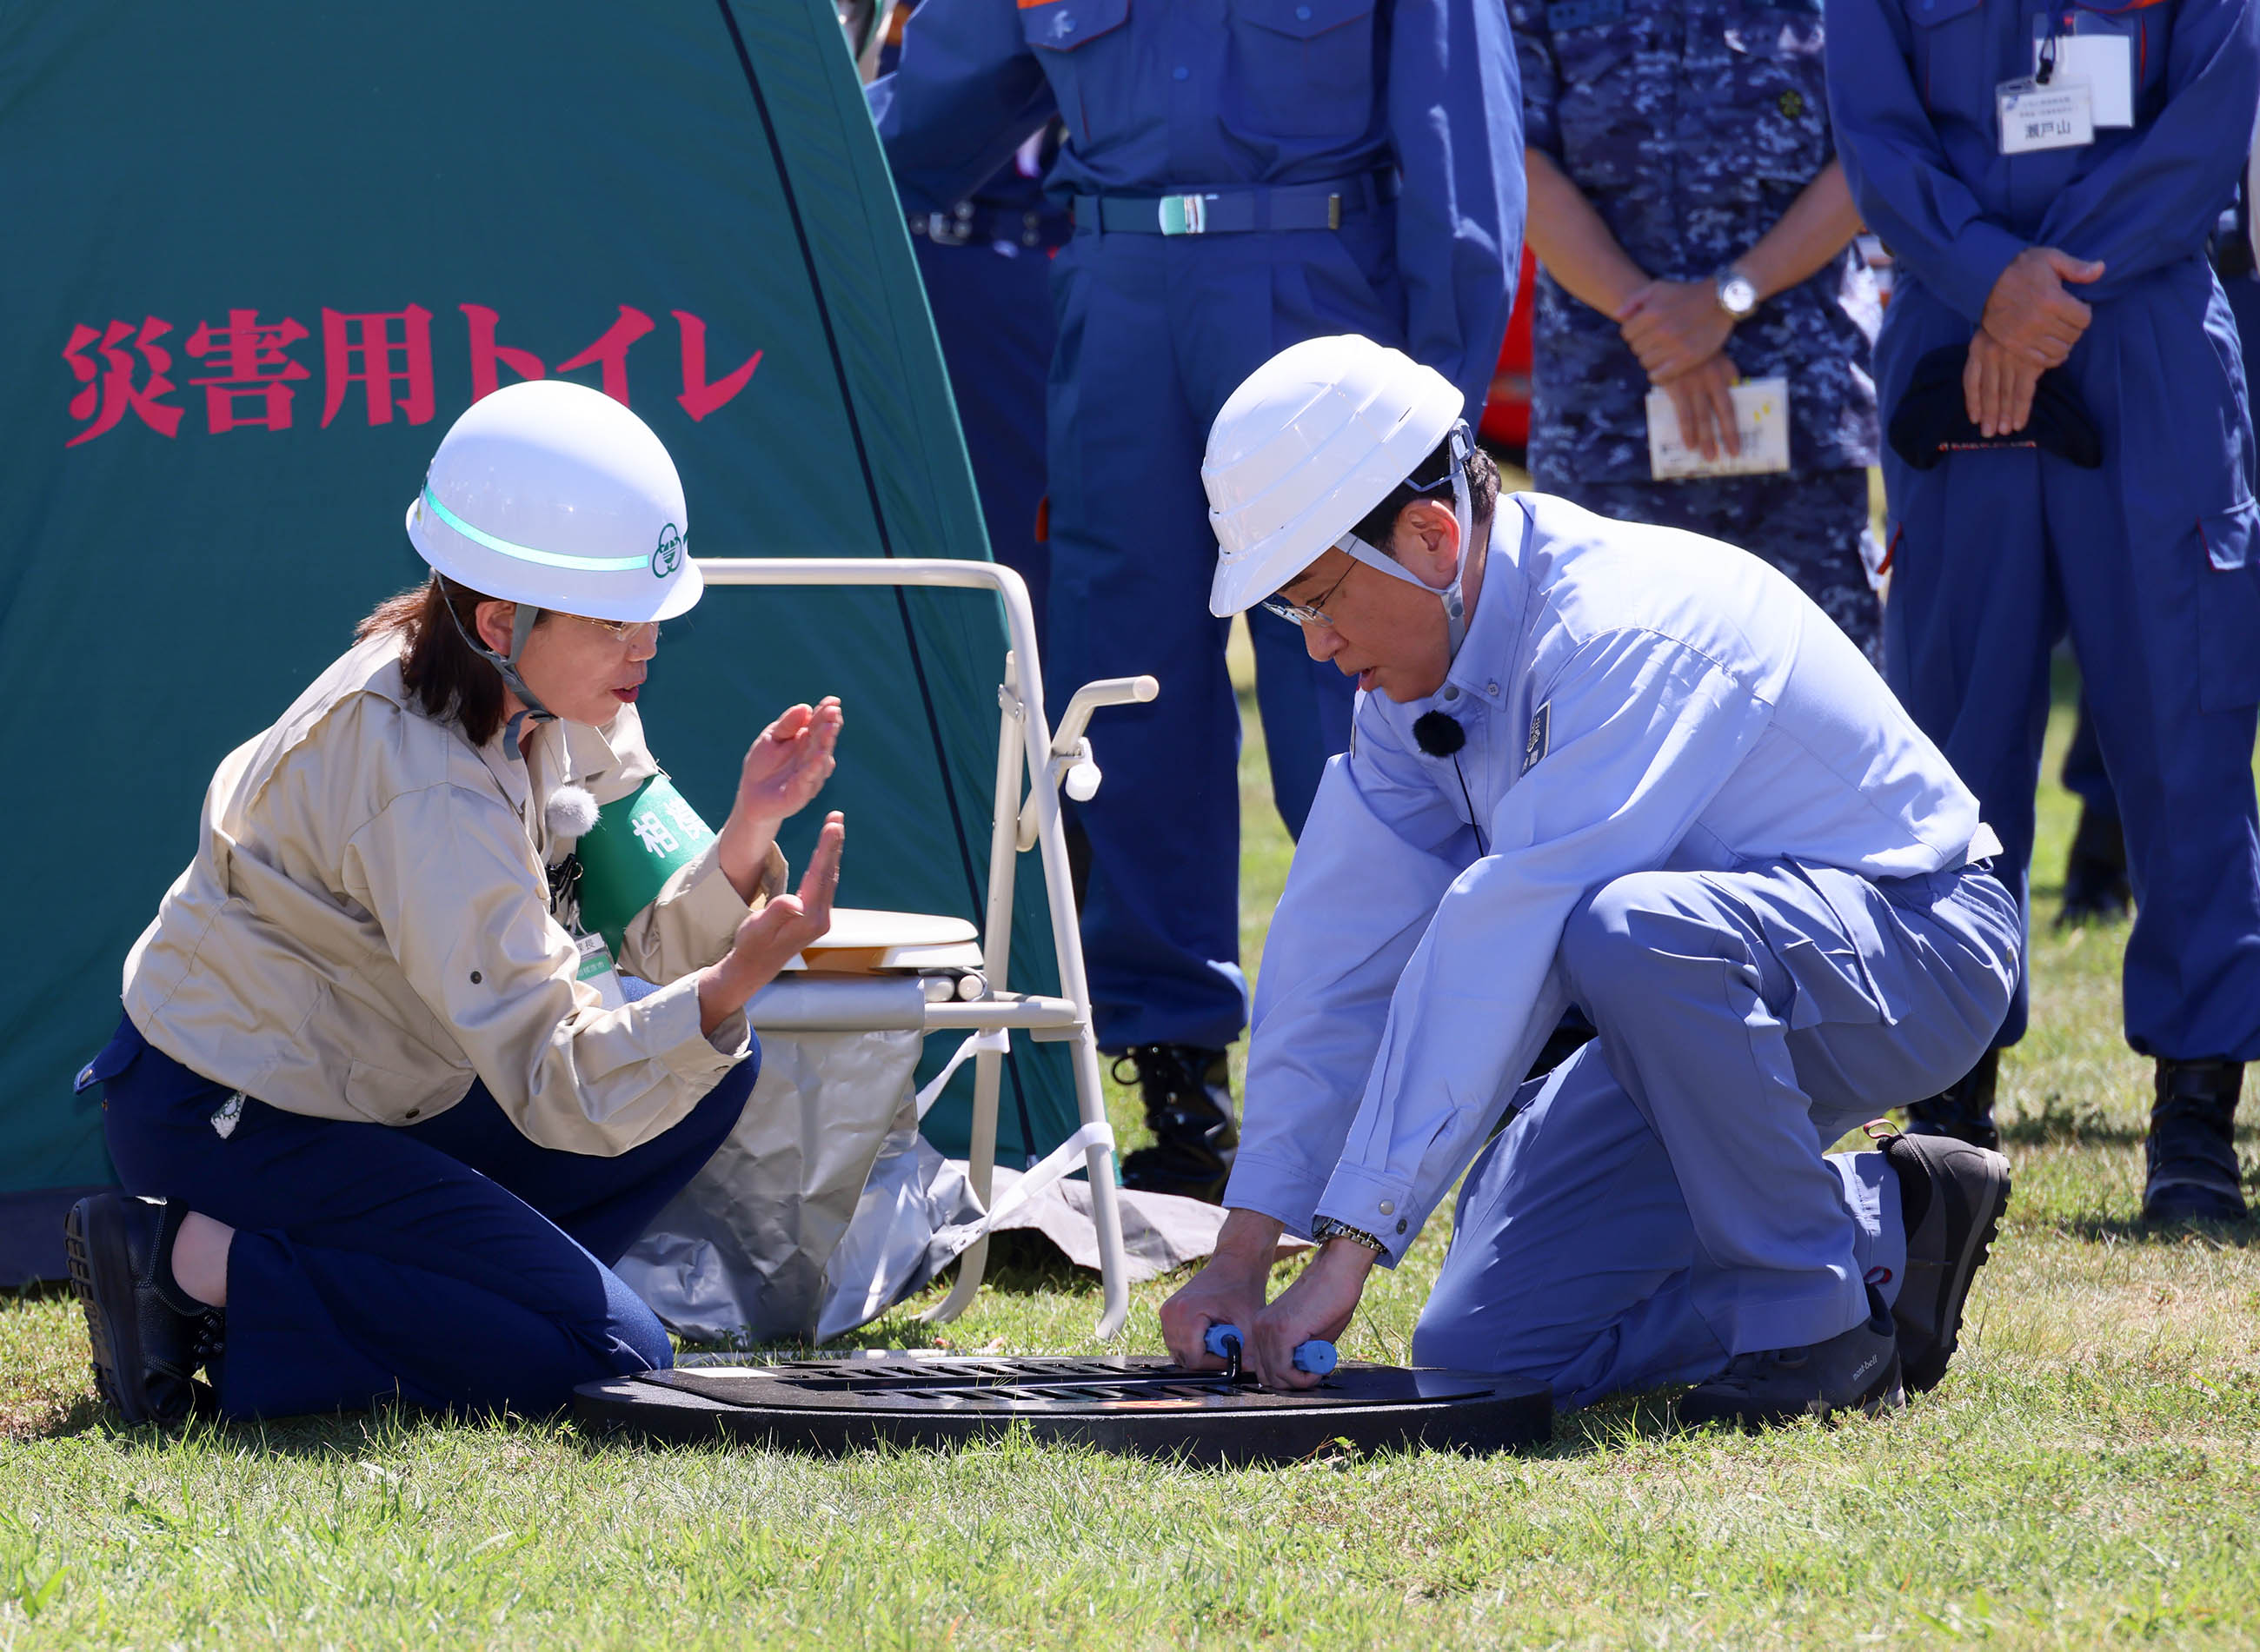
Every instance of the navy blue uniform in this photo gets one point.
(2150, 561)
(1691, 126)
(1354, 165)
(986, 267)
(504, 1248)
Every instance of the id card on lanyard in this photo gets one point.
(597, 969)
(2036, 116)
(2082, 79)
(2095, 52)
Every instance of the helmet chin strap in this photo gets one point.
(1455, 608)
(521, 627)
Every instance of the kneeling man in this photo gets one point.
(1636, 771)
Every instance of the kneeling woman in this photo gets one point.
(451, 999)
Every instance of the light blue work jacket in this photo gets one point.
(1634, 698)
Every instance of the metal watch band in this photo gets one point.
(1326, 1227)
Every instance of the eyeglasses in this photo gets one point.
(1310, 613)
(635, 633)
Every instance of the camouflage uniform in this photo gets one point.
(1691, 126)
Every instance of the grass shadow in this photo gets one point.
(339, 1436)
(2136, 1230)
(1020, 1265)
(1611, 1425)
(83, 1414)
(2058, 1123)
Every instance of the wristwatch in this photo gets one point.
(1326, 1227)
(1738, 294)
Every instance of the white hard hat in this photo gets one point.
(553, 496)
(1314, 440)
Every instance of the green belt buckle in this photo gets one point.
(1184, 215)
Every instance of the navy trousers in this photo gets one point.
(2084, 774)
(452, 1264)
(2152, 565)
(993, 312)
(1661, 1201)
(1154, 333)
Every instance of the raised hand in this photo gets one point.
(785, 768)
(789, 763)
(770, 935)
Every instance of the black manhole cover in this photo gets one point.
(1129, 1404)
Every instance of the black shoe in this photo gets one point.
(1963, 1109)
(2096, 889)
(1188, 1095)
(1951, 1197)
(149, 1336)
(1857, 1371)
(2192, 1147)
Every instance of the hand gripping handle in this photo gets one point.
(1313, 1358)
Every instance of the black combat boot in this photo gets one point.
(1188, 1095)
(2192, 1148)
(2095, 886)
(1963, 1109)
(149, 1336)
(1858, 1370)
(1951, 1197)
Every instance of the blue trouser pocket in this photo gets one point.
(125, 1045)
(2228, 611)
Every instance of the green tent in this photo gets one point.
(262, 254)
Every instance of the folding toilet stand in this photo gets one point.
(1025, 746)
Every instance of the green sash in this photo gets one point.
(628, 856)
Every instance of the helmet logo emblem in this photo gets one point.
(669, 556)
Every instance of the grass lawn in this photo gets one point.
(2089, 1471)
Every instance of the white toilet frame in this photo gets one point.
(1026, 746)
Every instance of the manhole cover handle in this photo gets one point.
(1313, 1358)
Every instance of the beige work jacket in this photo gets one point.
(366, 929)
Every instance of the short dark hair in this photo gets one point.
(450, 679)
(1430, 479)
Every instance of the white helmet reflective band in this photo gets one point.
(552, 494)
(527, 553)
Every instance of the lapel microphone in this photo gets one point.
(1437, 734)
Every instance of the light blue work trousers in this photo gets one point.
(1663, 1200)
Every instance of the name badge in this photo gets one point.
(2057, 116)
(598, 970)
(1761, 418)
(2103, 63)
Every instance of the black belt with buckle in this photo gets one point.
(1237, 212)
